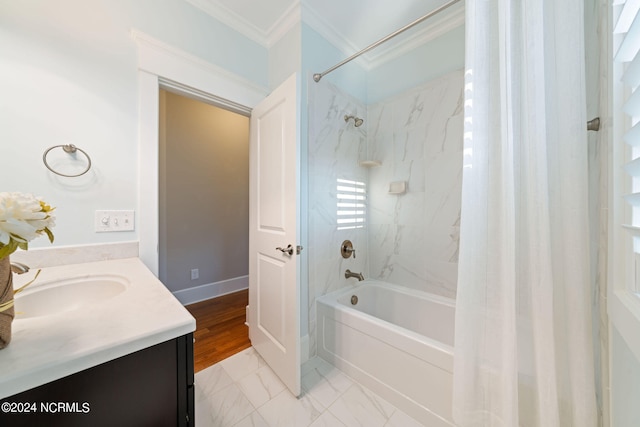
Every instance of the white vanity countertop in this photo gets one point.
(46, 348)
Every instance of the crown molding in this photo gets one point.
(299, 12)
(268, 38)
(231, 19)
(289, 19)
(323, 27)
(435, 27)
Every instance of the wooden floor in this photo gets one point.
(220, 329)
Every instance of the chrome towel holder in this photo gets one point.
(70, 149)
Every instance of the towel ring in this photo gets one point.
(68, 148)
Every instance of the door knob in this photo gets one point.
(287, 250)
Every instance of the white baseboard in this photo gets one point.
(211, 290)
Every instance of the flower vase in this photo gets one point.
(6, 295)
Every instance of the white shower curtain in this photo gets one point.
(523, 351)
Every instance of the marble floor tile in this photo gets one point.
(254, 419)
(400, 419)
(242, 391)
(261, 386)
(359, 406)
(243, 363)
(213, 379)
(287, 411)
(327, 419)
(227, 406)
(325, 382)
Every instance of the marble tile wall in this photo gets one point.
(410, 239)
(334, 150)
(413, 237)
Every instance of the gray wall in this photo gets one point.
(204, 192)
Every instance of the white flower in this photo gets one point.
(23, 217)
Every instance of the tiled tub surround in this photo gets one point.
(334, 150)
(396, 341)
(47, 348)
(413, 237)
(409, 239)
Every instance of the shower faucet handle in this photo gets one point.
(347, 249)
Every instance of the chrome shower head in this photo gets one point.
(357, 121)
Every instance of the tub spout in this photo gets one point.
(349, 273)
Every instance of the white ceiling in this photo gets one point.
(349, 24)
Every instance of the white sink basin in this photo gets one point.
(67, 295)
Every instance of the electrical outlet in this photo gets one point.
(195, 273)
(108, 221)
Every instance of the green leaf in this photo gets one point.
(49, 234)
(8, 249)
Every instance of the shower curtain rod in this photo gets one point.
(318, 76)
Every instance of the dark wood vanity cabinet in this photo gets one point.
(151, 387)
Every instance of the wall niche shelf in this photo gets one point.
(369, 163)
(398, 187)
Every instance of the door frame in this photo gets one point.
(163, 66)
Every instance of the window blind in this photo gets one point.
(352, 204)
(627, 30)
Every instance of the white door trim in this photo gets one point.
(159, 65)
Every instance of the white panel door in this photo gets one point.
(274, 285)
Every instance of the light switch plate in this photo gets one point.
(110, 221)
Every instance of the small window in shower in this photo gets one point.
(352, 204)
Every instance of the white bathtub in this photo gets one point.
(396, 341)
